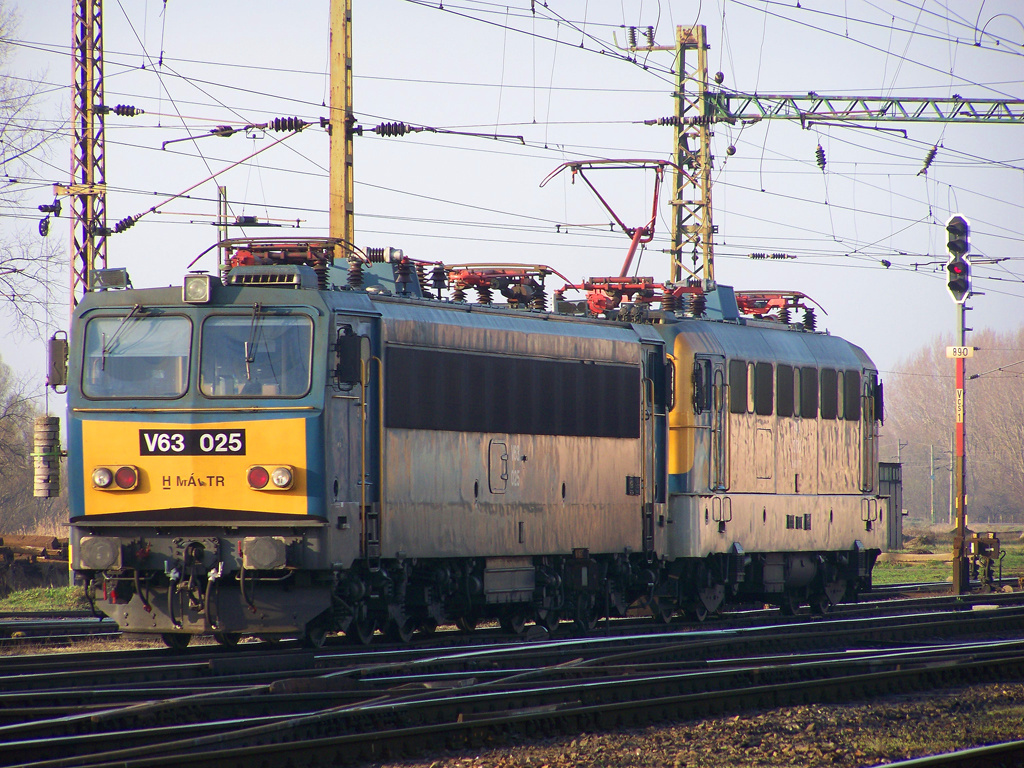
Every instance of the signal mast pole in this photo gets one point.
(959, 285)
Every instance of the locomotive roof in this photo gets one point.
(763, 343)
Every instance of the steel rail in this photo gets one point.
(1007, 755)
(316, 738)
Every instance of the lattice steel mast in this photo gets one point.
(88, 161)
(698, 108)
(342, 208)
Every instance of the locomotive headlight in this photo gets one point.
(281, 477)
(102, 477)
(276, 479)
(196, 288)
(124, 478)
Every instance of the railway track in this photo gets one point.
(340, 705)
(21, 628)
(1009, 755)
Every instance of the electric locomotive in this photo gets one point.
(292, 451)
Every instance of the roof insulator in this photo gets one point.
(928, 160)
(121, 110)
(394, 129)
(286, 124)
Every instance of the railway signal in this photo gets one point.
(958, 267)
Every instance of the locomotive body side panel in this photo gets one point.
(447, 497)
(509, 435)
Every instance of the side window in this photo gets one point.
(841, 397)
(784, 390)
(737, 386)
(701, 385)
(809, 393)
(851, 394)
(764, 400)
(829, 404)
(751, 380)
(657, 372)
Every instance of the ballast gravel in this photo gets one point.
(854, 735)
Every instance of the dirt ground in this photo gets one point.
(859, 734)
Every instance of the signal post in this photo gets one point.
(958, 270)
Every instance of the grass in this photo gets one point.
(45, 599)
(906, 572)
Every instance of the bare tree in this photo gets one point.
(20, 511)
(920, 415)
(25, 258)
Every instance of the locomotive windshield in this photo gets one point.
(256, 356)
(136, 356)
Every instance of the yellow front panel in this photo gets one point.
(208, 480)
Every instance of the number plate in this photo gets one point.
(192, 442)
(956, 352)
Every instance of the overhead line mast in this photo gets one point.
(88, 161)
(342, 120)
(698, 108)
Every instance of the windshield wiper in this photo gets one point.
(109, 346)
(250, 345)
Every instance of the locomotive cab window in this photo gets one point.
(136, 355)
(258, 355)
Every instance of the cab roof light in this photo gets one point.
(196, 288)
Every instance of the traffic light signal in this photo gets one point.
(958, 268)
(959, 282)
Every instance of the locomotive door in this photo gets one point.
(656, 392)
(348, 453)
(715, 398)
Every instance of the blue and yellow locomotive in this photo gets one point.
(289, 452)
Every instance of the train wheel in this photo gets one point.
(361, 630)
(548, 618)
(513, 623)
(428, 627)
(585, 618)
(820, 604)
(790, 603)
(400, 630)
(662, 609)
(696, 611)
(227, 639)
(466, 624)
(176, 641)
(316, 634)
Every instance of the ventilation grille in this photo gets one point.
(274, 276)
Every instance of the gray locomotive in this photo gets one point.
(282, 454)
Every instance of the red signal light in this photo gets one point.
(258, 477)
(126, 478)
